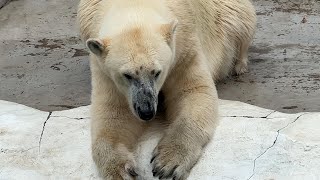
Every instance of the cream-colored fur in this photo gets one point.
(192, 43)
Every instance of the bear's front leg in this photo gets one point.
(115, 133)
(191, 108)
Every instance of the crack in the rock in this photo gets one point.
(270, 114)
(29, 149)
(43, 127)
(72, 118)
(260, 117)
(274, 142)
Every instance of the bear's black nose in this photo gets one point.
(145, 111)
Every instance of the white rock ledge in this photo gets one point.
(250, 143)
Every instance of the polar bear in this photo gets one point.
(140, 49)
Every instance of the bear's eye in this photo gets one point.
(127, 76)
(157, 75)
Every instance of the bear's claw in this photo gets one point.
(170, 163)
(132, 172)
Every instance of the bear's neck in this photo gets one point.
(124, 14)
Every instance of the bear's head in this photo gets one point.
(138, 61)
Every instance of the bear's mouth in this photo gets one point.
(160, 104)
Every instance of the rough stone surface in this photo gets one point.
(44, 65)
(284, 70)
(3, 3)
(43, 62)
(250, 143)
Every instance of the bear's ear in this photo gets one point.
(97, 46)
(168, 30)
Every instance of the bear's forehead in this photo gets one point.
(135, 34)
(135, 40)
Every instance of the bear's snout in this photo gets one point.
(145, 101)
(145, 111)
